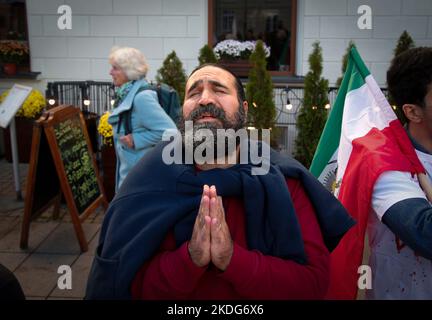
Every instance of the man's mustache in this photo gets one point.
(207, 110)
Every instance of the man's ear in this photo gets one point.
(413, 112)
(245, 106)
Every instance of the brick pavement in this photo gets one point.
(51, 243)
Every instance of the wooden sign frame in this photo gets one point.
(52, 118)
(33, 207)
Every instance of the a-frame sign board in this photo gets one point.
(62, 161)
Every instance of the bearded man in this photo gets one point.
(214, 229)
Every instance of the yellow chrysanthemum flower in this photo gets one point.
(32, 106)
(105, 129)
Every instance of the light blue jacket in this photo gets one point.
(148, 123)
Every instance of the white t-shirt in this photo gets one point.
(397, 273)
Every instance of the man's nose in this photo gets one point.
(206, 97)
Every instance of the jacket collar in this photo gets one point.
(126, 104)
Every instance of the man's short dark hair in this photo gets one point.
(409, 76)
(239, 86)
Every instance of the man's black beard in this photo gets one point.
(237, 123)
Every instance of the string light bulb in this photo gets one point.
(288, 105)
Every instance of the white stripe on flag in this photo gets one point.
(328, 175)
(364, 109)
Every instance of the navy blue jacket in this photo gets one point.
(156, 198)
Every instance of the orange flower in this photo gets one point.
(13, 51)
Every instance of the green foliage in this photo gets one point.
(404, 43)
(345, 62)
(259, 92)
(206, 55)
(313, 114)
(173, 74)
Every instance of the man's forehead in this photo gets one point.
(211, 73)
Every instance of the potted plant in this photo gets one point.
(206, 55)
(108, 156)
(12, 53)
(234, 55)
(173, 74)
(30, 110)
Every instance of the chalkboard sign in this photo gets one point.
(68, 167)
(77, 162)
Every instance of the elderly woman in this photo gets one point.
(138, 120)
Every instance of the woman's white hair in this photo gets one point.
(130, 60)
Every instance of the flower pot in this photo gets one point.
(10, 69)
(108, 162)
(239, 67)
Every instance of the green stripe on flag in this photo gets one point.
(361, 67)
(328, 144)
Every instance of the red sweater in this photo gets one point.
(171, 274)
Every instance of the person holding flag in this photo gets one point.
(380, 177)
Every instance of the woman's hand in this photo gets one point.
(127, 141)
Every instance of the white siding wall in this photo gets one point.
(156, 27)
(334, 23)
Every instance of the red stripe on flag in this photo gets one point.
(376, 152)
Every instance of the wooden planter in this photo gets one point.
(108, 164)
(24, 132)
(239, 67)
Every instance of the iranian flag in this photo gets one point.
(361, 139)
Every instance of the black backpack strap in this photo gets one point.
(127, 115)
(119, 122)
(128, 121)
(159, 93)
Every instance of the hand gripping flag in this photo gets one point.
(361, 139)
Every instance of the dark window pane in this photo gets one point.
(268, 20)
(13, 27)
